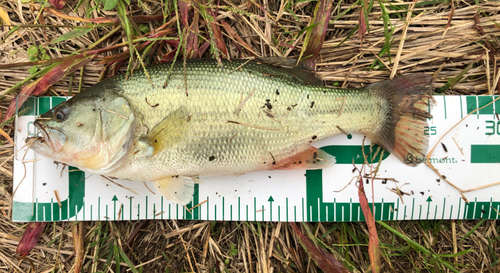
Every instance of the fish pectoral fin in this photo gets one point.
(179, 189)
(312, 158)
(168, 131)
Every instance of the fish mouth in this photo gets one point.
(52, 137)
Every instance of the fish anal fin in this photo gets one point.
(179, 189)
(168, 131)
(312, 158)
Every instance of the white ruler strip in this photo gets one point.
(467, 156)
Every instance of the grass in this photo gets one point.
(118, 36)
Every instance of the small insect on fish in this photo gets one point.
(234, 121)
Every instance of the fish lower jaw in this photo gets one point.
(40, 146)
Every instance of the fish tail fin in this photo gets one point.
(409, 99)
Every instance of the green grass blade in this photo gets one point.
(127, 261)
(71, 35)
(412, 243)
(472, 230)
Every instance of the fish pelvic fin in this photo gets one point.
(311, 159)
(179, 189)
(408, 99)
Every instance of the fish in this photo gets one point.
(177, 122)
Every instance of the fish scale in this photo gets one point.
(214, 94)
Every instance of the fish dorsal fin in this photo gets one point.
(168, 131)
(312, 158)
(179, 189)
(294, 69)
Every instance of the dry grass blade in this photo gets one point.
(78, 231)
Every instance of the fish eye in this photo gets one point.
(61, 114)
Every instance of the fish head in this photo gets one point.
(93, 133)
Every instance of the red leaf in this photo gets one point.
(317, 34)
(30, 238)
(101, 20)
(230, 31)
(58, 4)
(41, 85)
(192, 38)
(203, 48)
(169, 56)
(285, 45)
(219, 42)
(373, 243)
(362, 25)
(323, 259)
(183, 10)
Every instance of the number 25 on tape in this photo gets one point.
(430, 130)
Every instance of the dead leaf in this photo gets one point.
(219, 41)
(30, 238)
(230, 31)
(362, 25)
(58, 4)
(183, 10)
(102, 20)
(78, 231)
(316, 35)
(42, 84)
(3, 133)
(192, 37)
(373, 243)
(323, 259)
(5, 16)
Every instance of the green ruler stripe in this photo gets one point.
(497, 105)
(471, 104)
(444, 104)
(485, 154)
(482, 101)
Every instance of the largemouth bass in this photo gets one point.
(242, 117)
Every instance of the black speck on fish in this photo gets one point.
(268, 104)
(277, 92)
(211, 158)
(312, 104)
